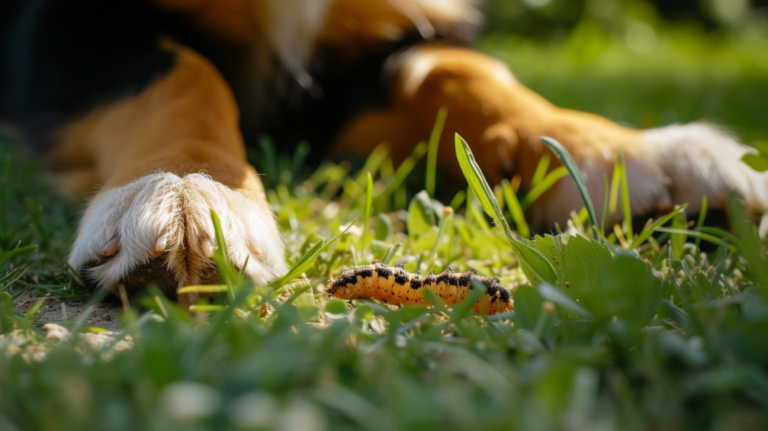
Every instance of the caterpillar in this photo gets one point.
(397, 286)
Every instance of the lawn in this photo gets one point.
(627, 332)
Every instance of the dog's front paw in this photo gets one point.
(158, 230)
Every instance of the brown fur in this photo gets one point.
(500, 118)
(184, 123)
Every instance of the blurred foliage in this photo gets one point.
(645, 64)
(545, 19)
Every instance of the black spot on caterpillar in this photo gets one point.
(398, 286)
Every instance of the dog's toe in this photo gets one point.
(158, 231)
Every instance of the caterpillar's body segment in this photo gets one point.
(397, 286)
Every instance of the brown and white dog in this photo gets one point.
(146, 103)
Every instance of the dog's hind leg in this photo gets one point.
(503, 121)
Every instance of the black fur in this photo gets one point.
(62, 58)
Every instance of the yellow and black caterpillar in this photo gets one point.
(397, 286)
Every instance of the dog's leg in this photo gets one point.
(503, 121)
(164, 159)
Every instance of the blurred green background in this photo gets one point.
(643, 63)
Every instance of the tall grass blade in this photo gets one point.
(545, 184)
(704, 236)
(515, 210)
(702, 216)
(17, 251)
(269, 156)
(372, 163)
(573, 169)
(38, 222)
(637, 242)
(625, 205)
(480, 186)
(299, 156)
(403, 170)
(434, 143)
(679, 237)
(228, 273)
(306, 261)
(367, 218)
(605, 201)
(541, 169)
(536, 267)
(731, 238)
(751, 245)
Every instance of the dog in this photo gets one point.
(146, 104)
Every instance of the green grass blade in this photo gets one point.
(637, 242)
(573, 169)
(614, 200)
(625, 204)
(433, 253)
(539, 189)
(228, 273)
(515, 210)
(752, 247)
(367, 218)
(306, 261)
(534, 264)
(18, 251)
(38, 222)
(299, 156)
(720, 234)
(605, 202)
(403, 171)
(28, 317)
(434, 143)
(372, 163)
(480, 186)
(677, 241)
(269, 157)
(207, 308)
(541, 169)
(692, 233)
(457, 200)
(702, 216)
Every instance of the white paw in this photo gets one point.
(158, 230)
(672, 165)
(701, 159)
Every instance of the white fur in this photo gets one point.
(164, 203)
(294, 25)
(701, 159)
(292, 28)
(425, 14)
(676, 164)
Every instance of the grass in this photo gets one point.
(640, 335)
(689, 76)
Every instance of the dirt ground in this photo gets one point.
(102, 315)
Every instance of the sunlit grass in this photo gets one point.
(628, 332)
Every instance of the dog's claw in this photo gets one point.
(161, 244)
(208, 248)
(110, 248)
